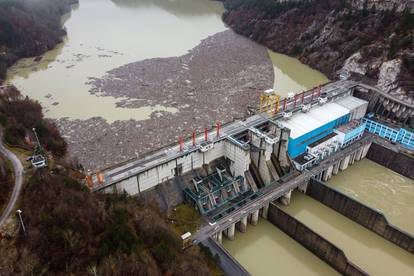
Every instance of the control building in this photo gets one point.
(324, 129)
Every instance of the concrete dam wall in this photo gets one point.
(315, 243)
(360, 213)
(395, 161)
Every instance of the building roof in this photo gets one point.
(349, 126)
(351, 102)
(302, 123)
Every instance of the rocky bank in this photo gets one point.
(370, 39)
(216, 80)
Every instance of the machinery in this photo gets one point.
(37, 159)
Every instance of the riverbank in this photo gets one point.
(29, 28)
(216, 80)
(340, 38)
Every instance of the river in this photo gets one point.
(366, 249)
(368, 182)
(380, 188)
(105, 34)
(266, 250)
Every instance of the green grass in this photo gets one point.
(185, 219)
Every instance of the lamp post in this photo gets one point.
(19, 212)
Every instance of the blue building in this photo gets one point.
(324, 129)
(397, 135)
(307, 128)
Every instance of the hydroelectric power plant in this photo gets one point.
(236, 173)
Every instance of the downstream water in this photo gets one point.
(369, 251)
(105, 34)
(380, 188)
(266, 250)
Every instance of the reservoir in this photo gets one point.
(379, 188)
(105, 34)
(264, 249)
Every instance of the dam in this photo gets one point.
(369, 182)
(234, 173)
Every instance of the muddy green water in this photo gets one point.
(266, 250)
(105, 34)
(369, 251)
(380, 188)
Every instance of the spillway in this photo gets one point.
(369, 251)
(379, 188)
(266, 250)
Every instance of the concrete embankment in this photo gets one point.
(360, 213)
(227, 263)
(317, 244)
(396, 161)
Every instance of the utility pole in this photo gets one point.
(19, 212)
(37, 138)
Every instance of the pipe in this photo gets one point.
(181, 141)
(194, 138)
(284, 104)
(218, 128)
(294, 104)
(303, 97)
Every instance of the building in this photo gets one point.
(324, 129)
(317, 123)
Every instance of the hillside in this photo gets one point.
(342, 38)
(29, 28)
(73, 231)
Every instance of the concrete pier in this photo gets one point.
(255, 217)
(359, 154)
(336, 168)
(229, 232)
(242, 225)
(285, 199)
(328, 173)
(352, 159)
(265, 210)
(344, 163)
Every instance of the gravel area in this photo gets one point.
(216, 80)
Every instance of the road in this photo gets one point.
(18, 172)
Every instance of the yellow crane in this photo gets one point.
(269, 102)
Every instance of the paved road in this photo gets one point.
(18, 172)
